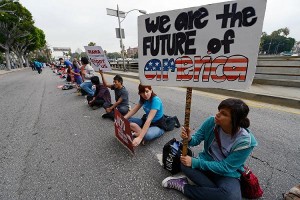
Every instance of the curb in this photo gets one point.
(282, 101)
(2, 72)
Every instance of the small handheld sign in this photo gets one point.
(97, 58)
(122, 131)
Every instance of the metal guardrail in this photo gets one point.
(271, 70)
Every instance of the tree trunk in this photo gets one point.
(8, 66)
(26, 61)
(20, 60)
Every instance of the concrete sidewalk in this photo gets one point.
(280, 95)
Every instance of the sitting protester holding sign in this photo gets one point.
(227, 145)
(152, 124)
(121, 96)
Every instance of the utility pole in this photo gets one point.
(121, 40)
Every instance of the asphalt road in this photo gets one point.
(53, 146)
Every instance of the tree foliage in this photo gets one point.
(92, 44)
(113, 55)
(17, 31)
(276, 42)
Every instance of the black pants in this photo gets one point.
(98, 102)
(39, 70)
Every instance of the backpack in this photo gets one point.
(292, 194)
(171, 155)
(171, 123)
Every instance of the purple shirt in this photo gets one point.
(77, 71)
(102, 92)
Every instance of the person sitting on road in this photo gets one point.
(121, 97)
(70, 76)
(151, 125)
(87, 73)
(216, 171)
(67, 63)
(76, 74)
(101, 96)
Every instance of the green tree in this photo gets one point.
(92, 44)
(1, 58)
(83, 54)
(113, 55)
(14, 27)
(276, 42)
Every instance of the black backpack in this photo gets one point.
(171, 123)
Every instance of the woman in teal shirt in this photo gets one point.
(215, 170)
(150, 126)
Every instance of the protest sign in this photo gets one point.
(211, 46)
(97, 58)
(122, 131)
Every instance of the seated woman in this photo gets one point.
(215, 172)
(152, 124)
(76, 73)
(101, 97)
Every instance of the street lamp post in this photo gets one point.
(122, 14)
(269, 46)
(121, 40)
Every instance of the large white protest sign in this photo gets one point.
(97, 58)
(212, 46)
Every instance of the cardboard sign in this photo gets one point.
(122, 131)
(211, 46)
(97, 58)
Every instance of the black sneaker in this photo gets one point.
(105, 115)
(108, 116)
(95, 107)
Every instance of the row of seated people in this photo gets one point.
(215, 172)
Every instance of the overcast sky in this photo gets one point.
(75, 23)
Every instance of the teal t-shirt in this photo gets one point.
(154, 104)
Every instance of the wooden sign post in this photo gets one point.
(188, 103)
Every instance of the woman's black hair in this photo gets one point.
(142, 89)
(84, 60)
(95, 80)
(239, 111)
(75, 64)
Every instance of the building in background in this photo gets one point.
(132, 52)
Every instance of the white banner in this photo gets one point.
(97, 58)
(211, 46)
(61, 49)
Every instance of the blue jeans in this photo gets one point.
(87, 86)
(210, 185)
(152, 132)
(78, 80)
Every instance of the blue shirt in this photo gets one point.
(37, 64)
(154, 104)
(68, 63)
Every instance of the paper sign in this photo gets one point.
(97, 58)
(211, 46)
(122, 131)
